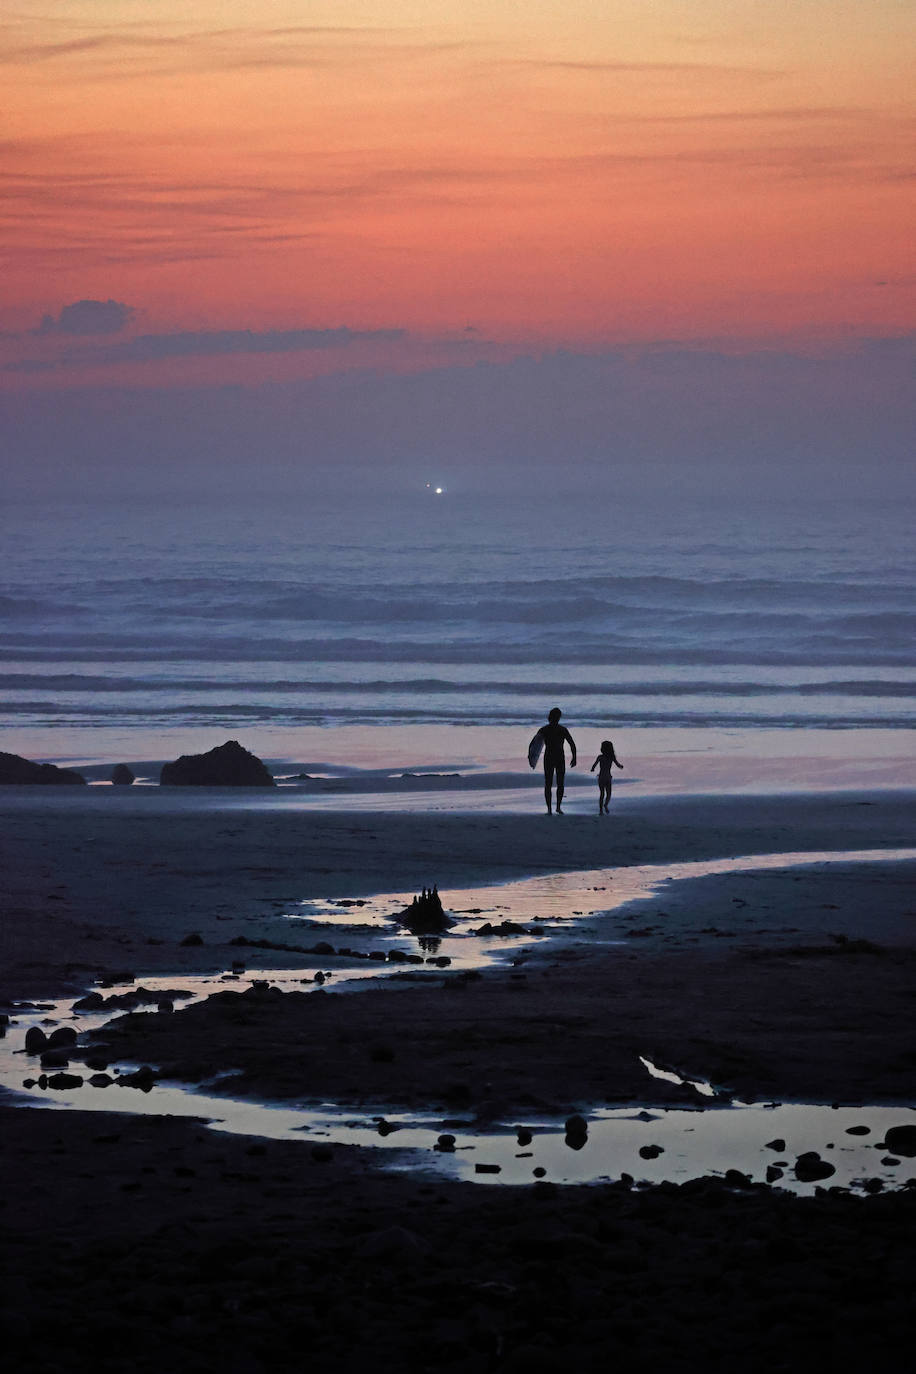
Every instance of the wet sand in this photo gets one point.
(132, 1242)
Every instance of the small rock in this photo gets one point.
(35, 1040)
(773, 1173)
(193, 939)
(523, 1135)
(901, 1140)
(64, 1080)
(778, 1144)
(446, 1143)
(101, 1080)
(121, 775)
(488, 1169)
(651, 1151)
(858, 1130)
(64, 1035)
(809, 1167)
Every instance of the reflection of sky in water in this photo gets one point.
(692, 1142)
(558, 897)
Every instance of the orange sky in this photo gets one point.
(487, 177)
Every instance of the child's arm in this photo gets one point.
(595, 764)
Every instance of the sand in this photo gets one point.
(136, 1242)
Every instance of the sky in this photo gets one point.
(293, 242)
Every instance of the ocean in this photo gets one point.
(721, 648)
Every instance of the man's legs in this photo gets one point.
(561, 776)
(548, 783)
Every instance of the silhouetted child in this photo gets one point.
(604, 763)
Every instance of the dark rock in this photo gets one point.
(858, 1130)
(54, 1059)
(97, 1061)
(901, 1140)
(425, 915)
(64, 1035)
(539, 1172)
(121, 775)
(229, 765)
(576, 1125)
(651, 1151)
(523, 1135)
(890, 1160)
(142, 1078)
(193, 939)
(736, 1179)
(446, 1144)
(65, 1080)
(16, 770)
(322, 1154)
(809, 1167)
(773, 1173)
(778, 1144)
(385, 1127)
(101, 1080)
(93, 1001)
(35, 1040)
(322, 947)
(488, 1168)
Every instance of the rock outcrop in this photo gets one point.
(229, 765)
(14, 769)
(121, 775)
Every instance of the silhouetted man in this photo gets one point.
(553, 738)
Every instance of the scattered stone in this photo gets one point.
(809, 1167)
(523, 1135)
(890, 1161)
(858, 1130)
(651, 1151)
(97, 1061)
(122, 776)
(54, 1059)
(445, 1144)
(35, 1040)
(539, 1172)
(15, 770)
(64, 1035)
(576, 1125)
(386, 1127)
(488, 1169)
(64, 1080)
(773, 1173)
(734, 1178)
(778, 1145)
(142, 1078)
(901, 1140)
(101, 1080)
(93, 1001)
(228, 765)
(193, 939)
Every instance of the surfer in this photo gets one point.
(553, 738)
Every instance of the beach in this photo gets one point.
(789, 984)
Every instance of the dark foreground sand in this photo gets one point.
(132, 1244)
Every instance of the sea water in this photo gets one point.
(720, 648)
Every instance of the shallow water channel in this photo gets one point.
(761, 1140)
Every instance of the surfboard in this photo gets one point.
(534, 749)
